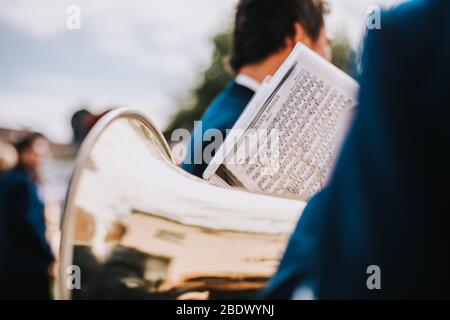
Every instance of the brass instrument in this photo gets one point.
(138, 227)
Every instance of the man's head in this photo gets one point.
(264, 28)
(32, 151)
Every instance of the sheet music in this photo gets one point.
(299, 129)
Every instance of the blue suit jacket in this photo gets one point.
(221, 115)
(384, 206)
(23, 248)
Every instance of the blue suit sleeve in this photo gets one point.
(20, 210)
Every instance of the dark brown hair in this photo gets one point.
(261, 27)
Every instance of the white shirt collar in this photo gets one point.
(246, 81)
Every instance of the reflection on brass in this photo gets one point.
(140, 228)
(116, 232)
(85, 227)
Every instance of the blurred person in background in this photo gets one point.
(265, 32)
(79, 126)
(25, 255)
(82, 122)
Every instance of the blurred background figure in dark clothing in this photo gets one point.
(79, 126)
(25, 255)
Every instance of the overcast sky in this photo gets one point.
(143, 54)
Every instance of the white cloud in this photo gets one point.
(40, 19)
(136, 53)
(119, 28)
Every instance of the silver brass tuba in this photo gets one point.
(136, 226)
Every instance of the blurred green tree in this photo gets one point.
(218, 74)
(211, 82)
(343, 56)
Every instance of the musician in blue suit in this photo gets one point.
(25, 255)
(380, 230)
(265, 33)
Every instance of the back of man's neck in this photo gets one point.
(255, 73)
(268, 67)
